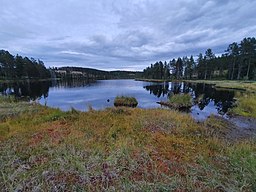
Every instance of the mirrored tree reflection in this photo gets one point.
(33, 90)
(202, 94)
(26, 90)
(69, 83)
(158, 89)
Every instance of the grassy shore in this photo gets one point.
(249, 86)
(120, 149)
(125, 101)
(154, 80)
(246, 105)
(227, 84)
(246, 101)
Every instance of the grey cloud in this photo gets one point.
(114, 34)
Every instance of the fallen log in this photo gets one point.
(174, 105)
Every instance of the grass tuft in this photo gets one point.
(246, 105)
(125, 101)
(181, 100)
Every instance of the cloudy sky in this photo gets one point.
(121, 34)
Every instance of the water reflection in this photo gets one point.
(203, 94)
(223, 99)
(79, 94)
(71, 83)
(33, 90)
(159, 90)
(30, 90)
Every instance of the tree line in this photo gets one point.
(18, 67)
(236, 63)
(89, 73)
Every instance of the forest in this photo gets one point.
(238, 62)
(18, 67)
(89, 73)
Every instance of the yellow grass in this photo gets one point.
(121, 149)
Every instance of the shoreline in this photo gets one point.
(10, 109)
(46, 147)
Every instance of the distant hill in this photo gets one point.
(90, 73)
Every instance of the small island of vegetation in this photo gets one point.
(125, 101)
(178, 101)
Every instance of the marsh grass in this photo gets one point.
(246, 105)
(9, 107)
(125, 101)
(7, 99)
(178, 101)
(246, 99)
(120, 149)
(181, 99)
(239, 85)
(243, 162)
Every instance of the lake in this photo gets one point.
(100, 94)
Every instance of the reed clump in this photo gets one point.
(125, 101)
(178, 101)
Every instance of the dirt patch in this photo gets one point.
(243, 127)
(233, 128)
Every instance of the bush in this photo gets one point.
(125, 101)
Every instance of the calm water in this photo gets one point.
(100, 94)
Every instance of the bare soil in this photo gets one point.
(242, 127)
